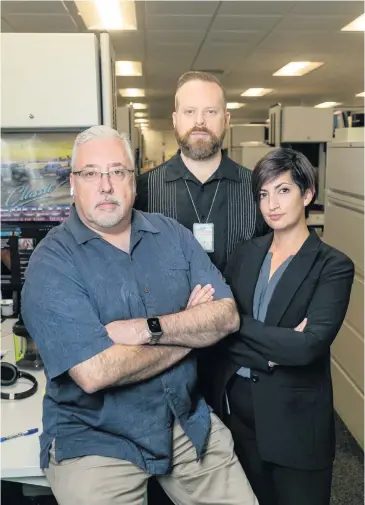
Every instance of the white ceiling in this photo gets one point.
(245, 41)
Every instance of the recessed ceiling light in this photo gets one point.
(235, 105)
(140, 120)
(298, 68)
(358, 25)
(361, 94)
(130, 92)
(128, 68)
(139, 106)
(140, 114)
(257, 92)
(325, 105)
(108, 14)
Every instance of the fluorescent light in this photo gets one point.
(325, 105)
(108, 14)
(130, 92)
(128, 68)
(298, 68)
(140, 120)
(235, 105)
(257, 92)
(140, 114)
(358, 25)
(361, 94)
(139, 106)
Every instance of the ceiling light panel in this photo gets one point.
(298, 68)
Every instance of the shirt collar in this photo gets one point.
(83, 233)
(176, 169)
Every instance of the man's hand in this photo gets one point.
(302, 325)
(200, 295)
(130, 332)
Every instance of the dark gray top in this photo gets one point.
(76, 283)
(264, 290)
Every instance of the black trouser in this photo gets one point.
(272, 484)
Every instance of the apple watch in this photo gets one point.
(155, 329)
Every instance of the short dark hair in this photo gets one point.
(282, 160)
(196, 75)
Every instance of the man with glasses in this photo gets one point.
(109, 300)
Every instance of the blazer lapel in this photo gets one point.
(251, 271)
(292, 278)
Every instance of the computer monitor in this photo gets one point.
(18, 241)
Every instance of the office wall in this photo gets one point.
(159, 146)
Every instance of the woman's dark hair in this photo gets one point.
(280, 161)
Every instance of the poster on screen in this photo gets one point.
(34, 170)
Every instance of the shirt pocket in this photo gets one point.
(177, 274)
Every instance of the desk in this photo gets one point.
(20, 456)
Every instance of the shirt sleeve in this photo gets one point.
(202, 270)
(58, 312)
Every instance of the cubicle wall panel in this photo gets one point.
(348, 350)
(349, 402)
(345, 171)
(344, 228)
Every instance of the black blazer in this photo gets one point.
(293, 404)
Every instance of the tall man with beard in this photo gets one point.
(201, 187)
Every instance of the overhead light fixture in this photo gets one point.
(139, 106)
(235, 105)
(298, 68)
(140, 120)
(140, 114)
(257, 92)
(325, 105)
(128, 68)
(362, 95)
(131, 92)
(358, 25)
(108, 14)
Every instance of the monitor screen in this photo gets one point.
(18, 241)
(35, 169)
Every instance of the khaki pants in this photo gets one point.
(217, 479)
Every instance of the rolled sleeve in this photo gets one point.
(59, 315)
(202, 270)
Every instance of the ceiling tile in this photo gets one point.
(263, 8)
(5, 27)
(311, 23)
(234, 37)
(30, 7)
(181, 7)
(174, 37)
(181, 22)
(242, 23)
(42, 23)
(328, 8)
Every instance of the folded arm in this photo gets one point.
(326, 313)
(121, 365)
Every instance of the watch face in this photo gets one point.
(154, 325)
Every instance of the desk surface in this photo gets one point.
(20, 456)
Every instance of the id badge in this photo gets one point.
(204, 234)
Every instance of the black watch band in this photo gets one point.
(155, 329)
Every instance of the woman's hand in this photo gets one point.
(302, 325)
(200, 295)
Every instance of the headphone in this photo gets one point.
(9, 375)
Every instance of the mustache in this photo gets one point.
(109, 200)
(200, 129)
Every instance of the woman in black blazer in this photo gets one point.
(274, 387)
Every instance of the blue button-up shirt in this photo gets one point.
(76, 283)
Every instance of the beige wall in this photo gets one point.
(159, 145)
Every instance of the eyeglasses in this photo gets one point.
(117, 175)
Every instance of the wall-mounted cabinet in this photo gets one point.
(50, 80)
